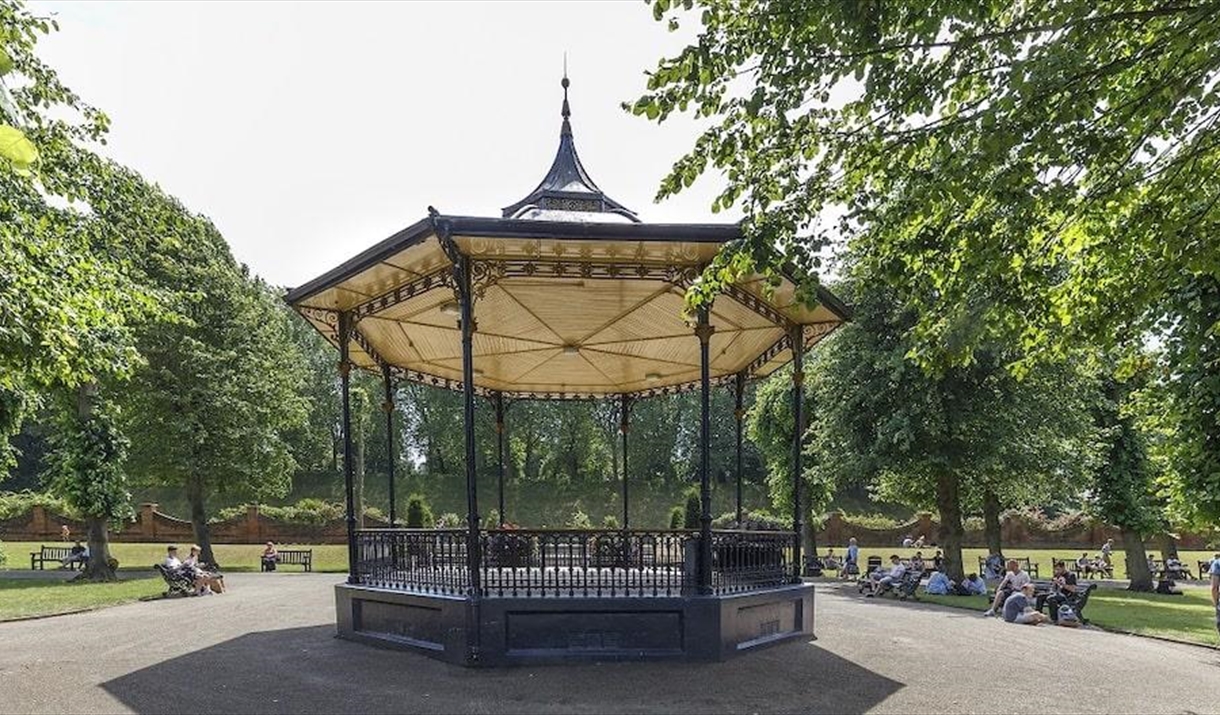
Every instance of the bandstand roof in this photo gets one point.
(574, 297)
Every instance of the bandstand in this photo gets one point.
(568, 295)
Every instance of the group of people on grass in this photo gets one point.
(207, 582)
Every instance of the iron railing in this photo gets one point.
(613, 563)
(586, 562)
(745, 561)
(420, 560)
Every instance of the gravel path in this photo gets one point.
(268, 646)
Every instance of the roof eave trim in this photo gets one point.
(414, 234)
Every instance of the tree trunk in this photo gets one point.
(1137, 562)
(991, 522)
(809, 539)
(199, 520)
(949, 505)
(1169, 546)
(97, 568)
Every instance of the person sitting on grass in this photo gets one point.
(270, 557)
(206, 582)
(1012, 582)
(938, 584)
(1019, 607)
(880, 583)
(972, 585)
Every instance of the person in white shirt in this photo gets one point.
(1012, 582)
(171, 561)
(896, 572)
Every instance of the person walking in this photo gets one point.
(1214, 572)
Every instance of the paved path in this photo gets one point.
(268, 646)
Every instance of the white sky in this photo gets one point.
(309, 131)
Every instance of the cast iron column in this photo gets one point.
(345, 368)
(704, 331)
(739, 414)
(472, 490)
(624, 408)
(388, 406)
(500, 450)
(797, 338)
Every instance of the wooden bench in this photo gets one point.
(1181, 573)
(1030, 567)
(1045, 588)
(51, 553)
(294, 557)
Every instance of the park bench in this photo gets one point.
(1030, 567)
(295, 557)
(1078, 602)
(51, 553)
(1158, 569)
(903, 590)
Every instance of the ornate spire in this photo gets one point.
(567, 187)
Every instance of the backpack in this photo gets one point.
(1068, 617)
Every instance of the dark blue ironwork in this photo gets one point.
(704, 332)
(345, 369)
(739, 416)
(388, 406)
(797, 340)
(624, 416)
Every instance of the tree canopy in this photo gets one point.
(1036, 174)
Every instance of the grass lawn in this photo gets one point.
(22, 598)
(1189, 617)
(1042, 557)
(232, 557)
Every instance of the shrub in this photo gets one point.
(677, 515)
(873, 521)
(15, 504)
(690, 520)
(610, 521)
(579, 520)
(752, 521)
(3, 556)
(419, 514)
(449, 520)
(492, 520)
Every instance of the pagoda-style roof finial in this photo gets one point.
(567, 187)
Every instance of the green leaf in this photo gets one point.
(18, 150)
(6, 63)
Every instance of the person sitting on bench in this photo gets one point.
(1019, 607)
(1012, 582)
(206, 582)
(831, 562)
(917, 563)
(171, 561)
(270, 557)
(78, 555)
(880, 583)
(1064, 593)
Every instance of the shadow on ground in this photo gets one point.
(302, 670)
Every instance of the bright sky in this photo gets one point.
(309, 131)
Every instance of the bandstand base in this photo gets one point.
(512, 631)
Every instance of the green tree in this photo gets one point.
(1039, 175)
(932, 439)
(1122, 489)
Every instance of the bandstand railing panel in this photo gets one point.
(556, 563)
(419, 560)
(744, 561)
(587, 562)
